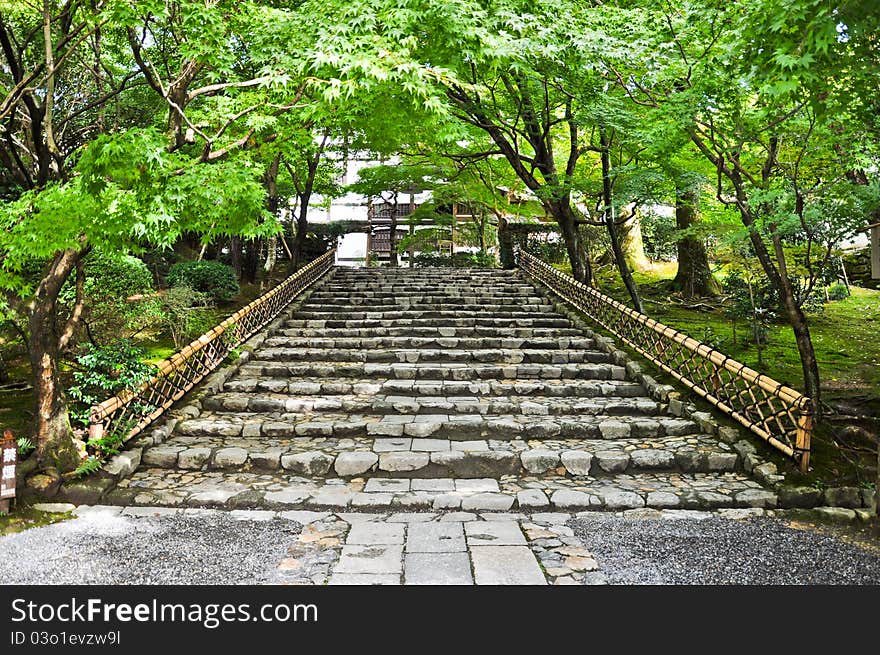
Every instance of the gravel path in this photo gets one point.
(721, 551)
(179, 549)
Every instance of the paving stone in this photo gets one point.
(435, 537)
(487, 501)
(538, 461)
(387, 485)
(505, 565)
(349, 464)
(303, 516)
(652, 458)
(332, 497)
(612, 461)
(371, 532)
(494, 533)
(389, 445)
(269, 459)
(616, 499)
(437, 569)
(310, 463)
(351, 579)
(577, 462)
(370, 559)
(438, 484)
(430, 445)
(757, 498)
(568, 499)
(476, 485)
(287, 497)
(461, 517)
(532, 499)
(193, 458)
(403, 461)
(662, 499)
(411, 517)
(161, 456)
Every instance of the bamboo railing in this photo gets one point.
(128, 413)
(778, 414)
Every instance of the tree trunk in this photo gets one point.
(302, 228)
(793, 313)
(581, 269)
(611, 224)
(251, 260)
(235, 258)
(633, 245)
(694, 278)
(392, 235)
(51, 428)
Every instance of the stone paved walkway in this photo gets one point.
(160, 545)
(452, 548)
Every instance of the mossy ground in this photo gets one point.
(23, 517)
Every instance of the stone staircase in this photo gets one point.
(435, 389)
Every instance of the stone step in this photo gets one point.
(440, 388)
(426, 301)
(511, 287)
(429, 331)
(376, 403)
(397, 315)
(438, 458)
(434, 371)
(457, 427)
(283, 491)
(432, 322)
(426, 311)
(439, 355)
(404, 343)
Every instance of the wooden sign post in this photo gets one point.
(8, 460)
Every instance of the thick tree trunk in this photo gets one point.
(302, 228)
(694, 278)
(251, 260)
(51, 427)
(633, 245)
(611, 224)
(581, 269)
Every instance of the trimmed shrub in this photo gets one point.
(213, 278)
(838, 292)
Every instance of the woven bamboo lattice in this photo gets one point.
(127, 413)
(777, 413)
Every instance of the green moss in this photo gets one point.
(24, 517)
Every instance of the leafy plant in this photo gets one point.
(104, 372)
(838, 292)
(25, 446)
(183, 314)
(88, 466)
(213, 278)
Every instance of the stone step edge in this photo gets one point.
(441, 463)
(270, 402)
(336, 497)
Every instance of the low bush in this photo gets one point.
(213, 278)
(838, 292)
